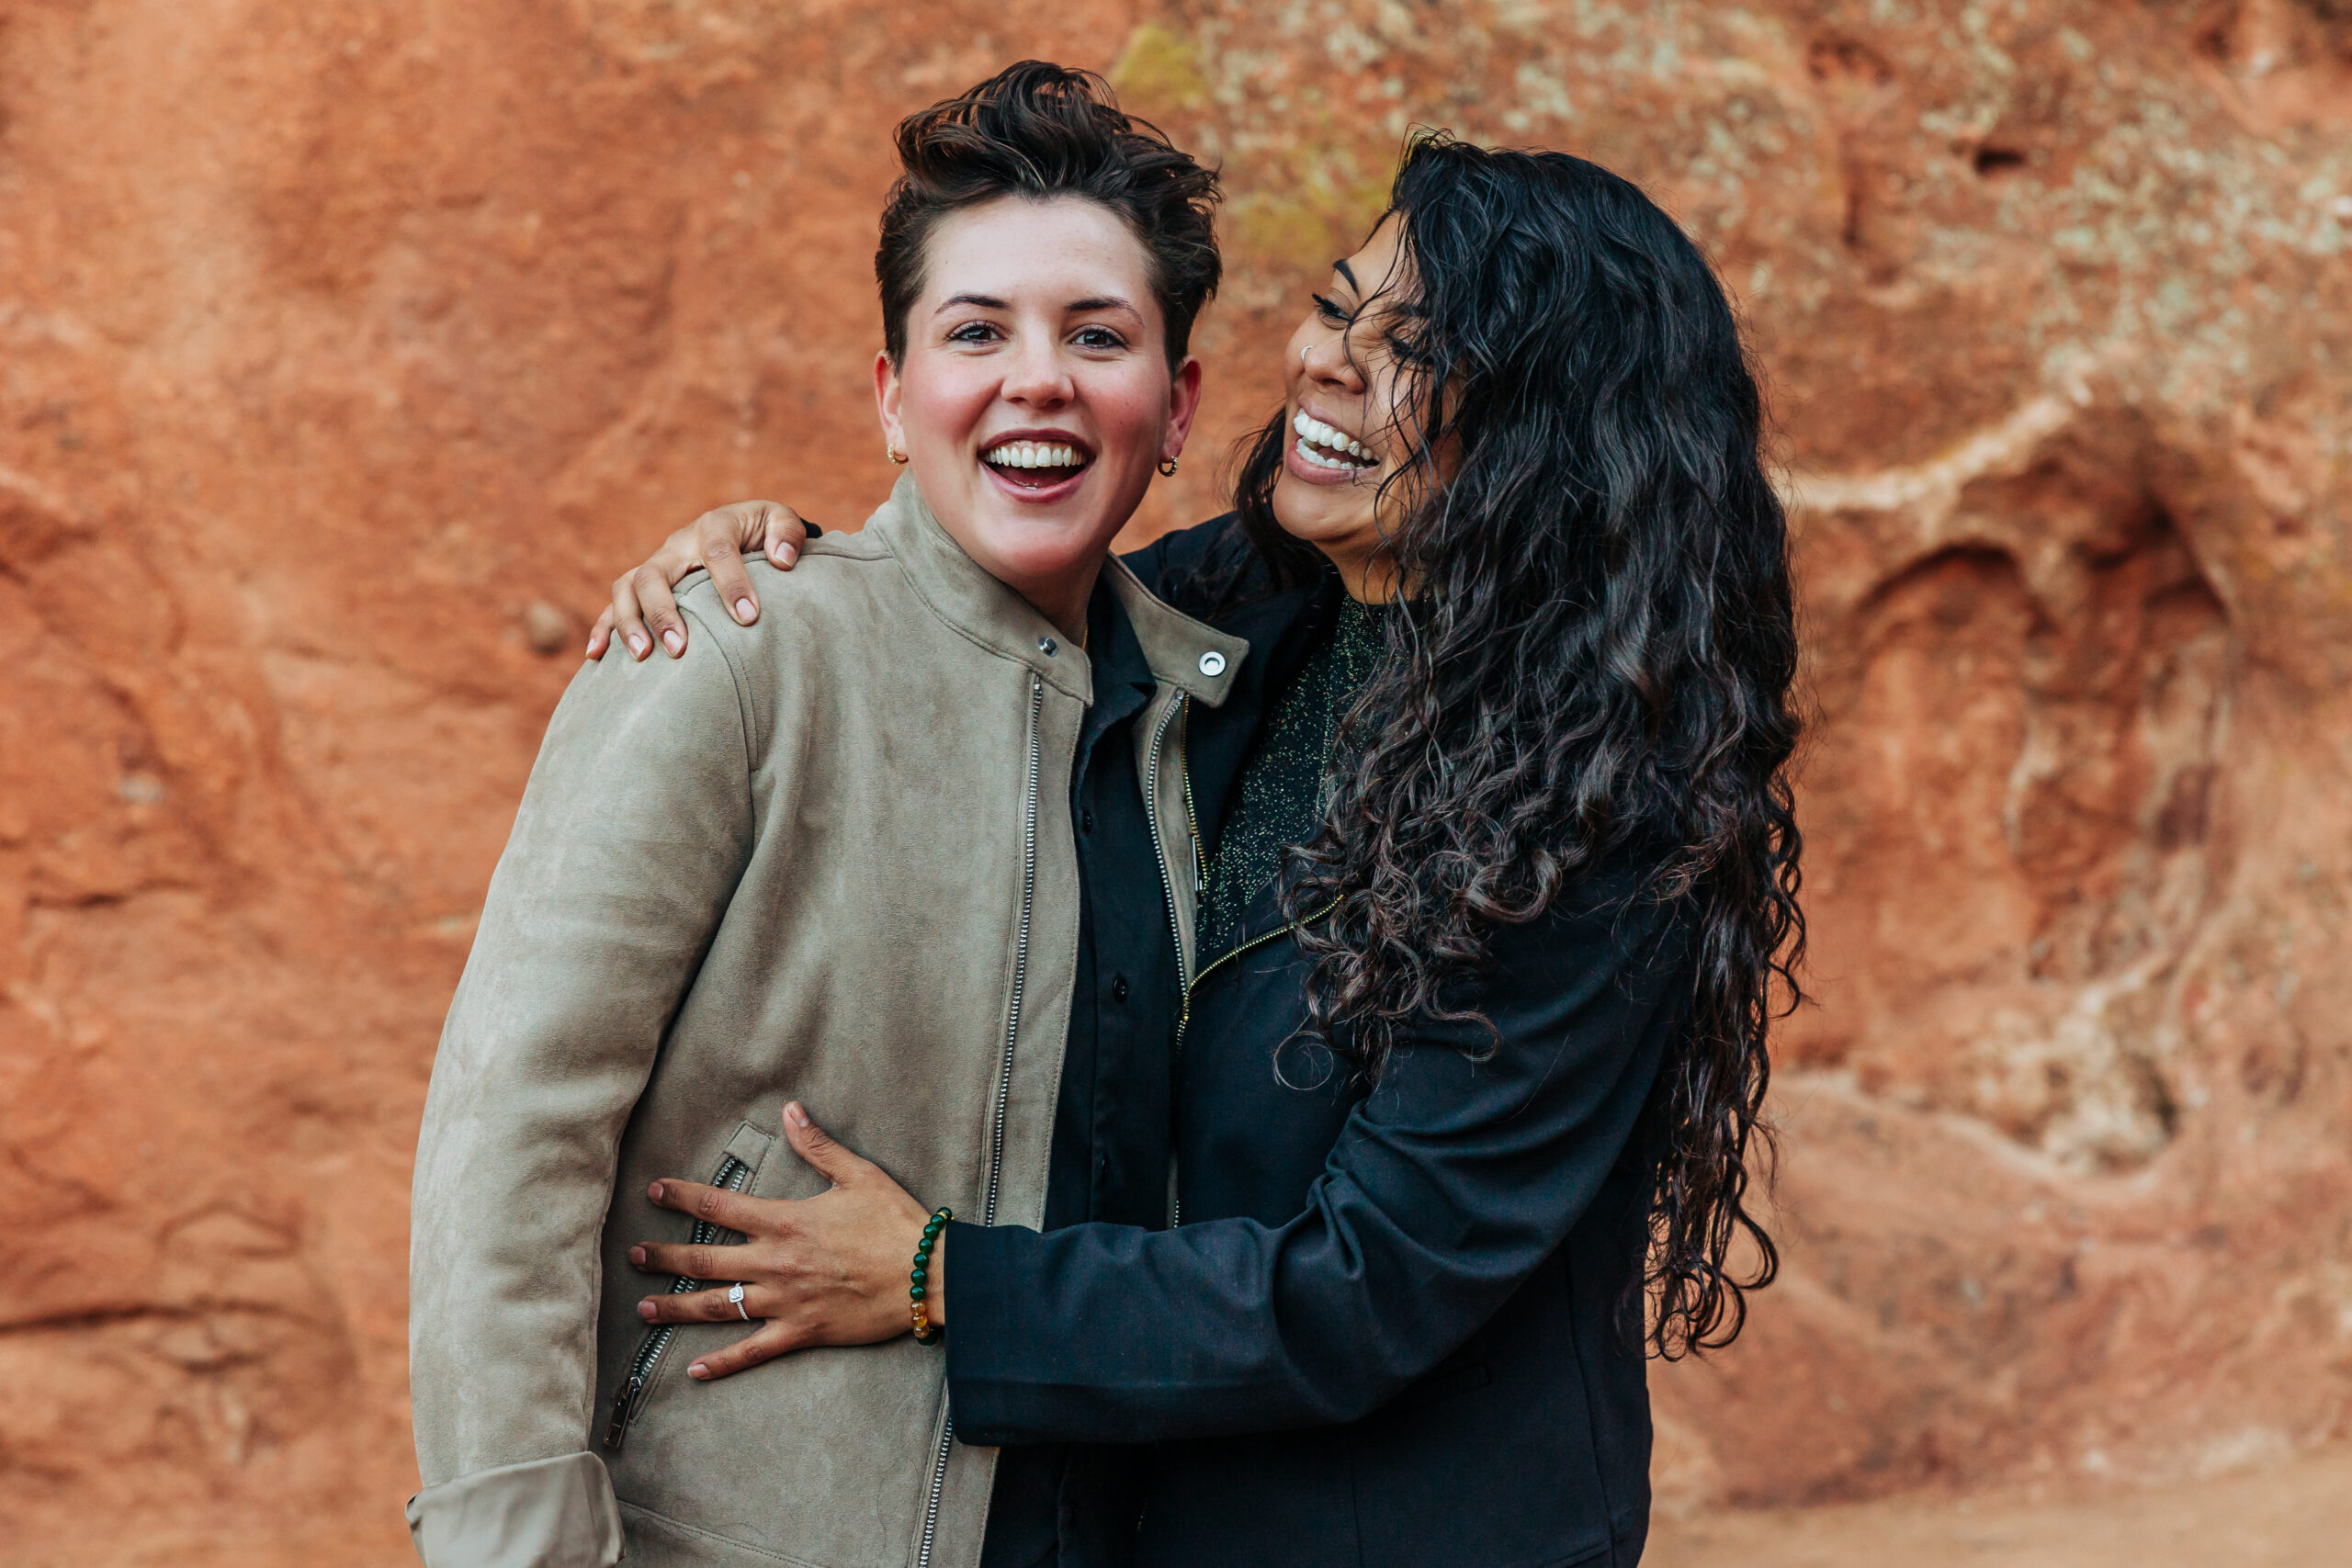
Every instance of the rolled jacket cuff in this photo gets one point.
(543, 1513)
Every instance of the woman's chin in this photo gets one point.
(1327, 516)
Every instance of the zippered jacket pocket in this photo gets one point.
(737, 1169)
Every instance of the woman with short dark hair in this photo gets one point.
(1503, 883)
(832, 856)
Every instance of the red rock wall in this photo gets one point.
(347, 347)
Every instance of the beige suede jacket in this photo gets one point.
(826, 857)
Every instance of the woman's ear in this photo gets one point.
(888, 389)
(1183, 402)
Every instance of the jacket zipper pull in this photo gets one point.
(618, 1427)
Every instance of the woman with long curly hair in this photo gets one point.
(1498, 901)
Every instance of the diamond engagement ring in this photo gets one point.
(735, 1300)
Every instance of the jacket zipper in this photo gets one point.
(1193, 824)
(1183, 1019)
(732, 1175)
(1159, 845)
(1004, 1075)
(1175, 713)
(1021, 952)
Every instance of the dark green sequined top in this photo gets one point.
(1286, 783)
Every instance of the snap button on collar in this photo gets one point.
(1212, 664)
(1047, 645)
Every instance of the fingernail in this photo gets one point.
(697, 1371)
(654, 1192)
(794, 1114)
(671, 641)
(637, 1255)
(645, 1310)
(746, 612)
(790, 555)
(636, 645)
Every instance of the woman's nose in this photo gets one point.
(1325, 359)
(1036, 375)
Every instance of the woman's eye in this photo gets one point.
(1100, 337)
(1330, 310)
(973, 332)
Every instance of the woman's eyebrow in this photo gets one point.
(1344, 270)
(985, 301)
(1101, 303)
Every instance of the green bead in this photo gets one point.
(916, 1292)
(919, 1275)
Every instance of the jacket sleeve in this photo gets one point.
(1448, 1186)
(633, 833)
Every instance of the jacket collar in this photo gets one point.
(1188, 655)
(1182, 651)
(1282, 628)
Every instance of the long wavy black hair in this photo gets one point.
(1599, 660)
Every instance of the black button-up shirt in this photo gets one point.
(1111, 1124)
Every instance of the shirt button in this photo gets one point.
(1085, 821)
(1212, 664)
(1047, 645)
(1118, 988)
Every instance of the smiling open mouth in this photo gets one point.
(1037, 465)
(1326, 449)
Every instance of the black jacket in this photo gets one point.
(1398, 1328)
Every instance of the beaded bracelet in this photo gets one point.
(917, 1282)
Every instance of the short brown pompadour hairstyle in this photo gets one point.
(1039, 131)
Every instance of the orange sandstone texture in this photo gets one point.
(346, 348)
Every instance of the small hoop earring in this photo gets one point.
(896, 456)
(1167, 467)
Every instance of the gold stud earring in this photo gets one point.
(891, 449)
(1167, 467)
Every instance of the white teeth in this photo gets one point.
(1322, 434)
(1032, 455)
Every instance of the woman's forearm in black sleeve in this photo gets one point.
(1449, 1185)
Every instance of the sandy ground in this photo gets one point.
(2296, 1513)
